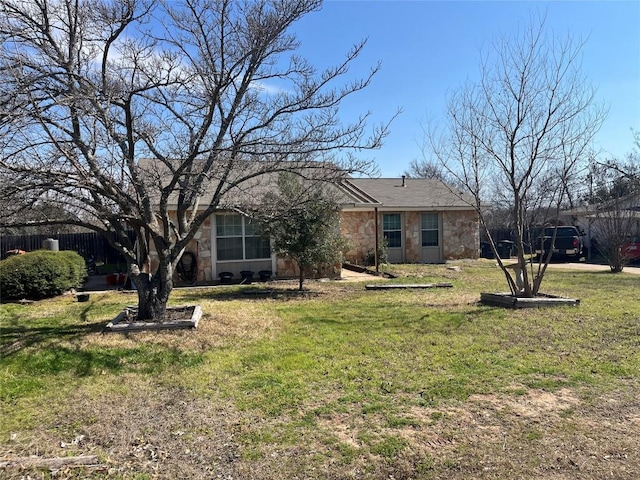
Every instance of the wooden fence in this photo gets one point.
(90, 245)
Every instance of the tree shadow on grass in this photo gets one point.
(54, 352)
(257, 293)
(31, 352)
(423, 323)
(17, 337)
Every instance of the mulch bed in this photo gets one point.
(175, 318)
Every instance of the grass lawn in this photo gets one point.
(336, 383)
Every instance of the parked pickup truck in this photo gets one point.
(568, 242)
(631, 249)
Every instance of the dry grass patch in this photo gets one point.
(534, 404)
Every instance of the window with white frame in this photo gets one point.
(430, 226)
(392, 229)
(237, 239)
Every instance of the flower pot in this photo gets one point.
(264, 275)
(225, 277)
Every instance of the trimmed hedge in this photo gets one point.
(41, 274)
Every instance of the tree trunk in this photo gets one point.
(616, 258)
(301, 277)
(153, 290)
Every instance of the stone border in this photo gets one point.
(120, 324)
(510, 301)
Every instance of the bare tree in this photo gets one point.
(516, 136)
(211, 90)
(429, 166)
(614, 199)
(426, 169)
(614, 224)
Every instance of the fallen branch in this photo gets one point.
(55, 463)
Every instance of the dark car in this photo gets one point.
(567, 243)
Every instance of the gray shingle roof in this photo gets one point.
(416, 193)
(385, 193)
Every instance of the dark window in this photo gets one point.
(430, 226)
(392, 229)
(237, 239)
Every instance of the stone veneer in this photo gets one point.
(286, 268)
(359, 229)
(460, 235)
(460, 238)
(201, 246)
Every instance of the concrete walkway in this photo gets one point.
(591, 267)
(98, 283)
(351, 276)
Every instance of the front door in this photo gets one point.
(431, 237)
(392, 234)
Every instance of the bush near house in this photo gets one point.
(40, 274)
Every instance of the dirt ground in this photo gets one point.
(534, 435)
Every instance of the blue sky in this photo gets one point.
(429, 48)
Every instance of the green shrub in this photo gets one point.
(40, 274)
(77, 268)
(383, 254)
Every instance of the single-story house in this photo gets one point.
(421, 220)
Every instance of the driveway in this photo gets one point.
(592, 267)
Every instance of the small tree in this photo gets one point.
(514, 138)
(302, 219)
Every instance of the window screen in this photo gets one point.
(430, 229)
(237, 239)
(392, 229)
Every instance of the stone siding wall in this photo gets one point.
(460, 234)
(412, 240)
(202, 247)
(359, 229)
(287, 268)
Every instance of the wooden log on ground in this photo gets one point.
(394, 286)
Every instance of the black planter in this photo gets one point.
(225, 277)
(82, 297)
(264, 275)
